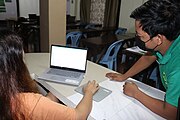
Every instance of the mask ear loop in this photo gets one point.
(159, 39)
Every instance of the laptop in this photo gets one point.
(67, 65)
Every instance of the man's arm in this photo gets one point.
(144, 62)
(159, 107)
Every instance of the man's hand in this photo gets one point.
(116, 76)
(130, 89)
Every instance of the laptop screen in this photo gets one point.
(68, 57)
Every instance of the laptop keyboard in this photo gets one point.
(64, 73)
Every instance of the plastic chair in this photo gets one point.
(121, 31)
(110, 57)
(90, 26)
(154, 76)
(72, 39)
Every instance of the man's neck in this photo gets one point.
(165, 46)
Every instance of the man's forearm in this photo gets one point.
(157, 106)
(143, 63)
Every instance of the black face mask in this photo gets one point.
(142, 45)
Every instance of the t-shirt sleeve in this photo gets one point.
(45, 109)
(173, 89)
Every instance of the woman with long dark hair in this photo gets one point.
(19, 97)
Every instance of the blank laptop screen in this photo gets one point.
(67, 57)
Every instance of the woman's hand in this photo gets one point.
(91, 87)
(116, 76)
(85, 105)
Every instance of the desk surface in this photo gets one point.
(38, 62)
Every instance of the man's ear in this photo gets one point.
(160, 39)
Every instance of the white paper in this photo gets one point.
(136, 49)
(116, 101)
(118, 106)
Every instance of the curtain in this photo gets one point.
(97, 11)
(111, 13)
(2, 6)
(85, 6)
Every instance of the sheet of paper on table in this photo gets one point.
(136, 49)
(117, 105)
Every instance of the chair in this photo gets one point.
(154, 76)
(121, 31)
(32, 16)
(110, 57)
(90, 26)
(72, 39)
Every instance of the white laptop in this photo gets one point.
(67, 65)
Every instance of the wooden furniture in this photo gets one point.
(91, 32)
(98, 45)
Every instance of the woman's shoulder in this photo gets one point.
(41, 107)
(30, 99)
(30, 96)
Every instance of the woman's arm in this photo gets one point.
(84, 107)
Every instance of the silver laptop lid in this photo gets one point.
(66, 57)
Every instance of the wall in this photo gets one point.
(52, 23)
(57, 21)
(127, 6)
(75, 8)
(11, 11)
(28, 7)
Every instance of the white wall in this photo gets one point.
(11, 11)
(74, 8)
(127, 6)
(28, 7)
(67, 7)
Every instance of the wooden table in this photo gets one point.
(97, 31)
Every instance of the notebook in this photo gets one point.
(67, 65)
(99, 95)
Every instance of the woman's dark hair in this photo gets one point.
(159, 17)
(14, 76)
